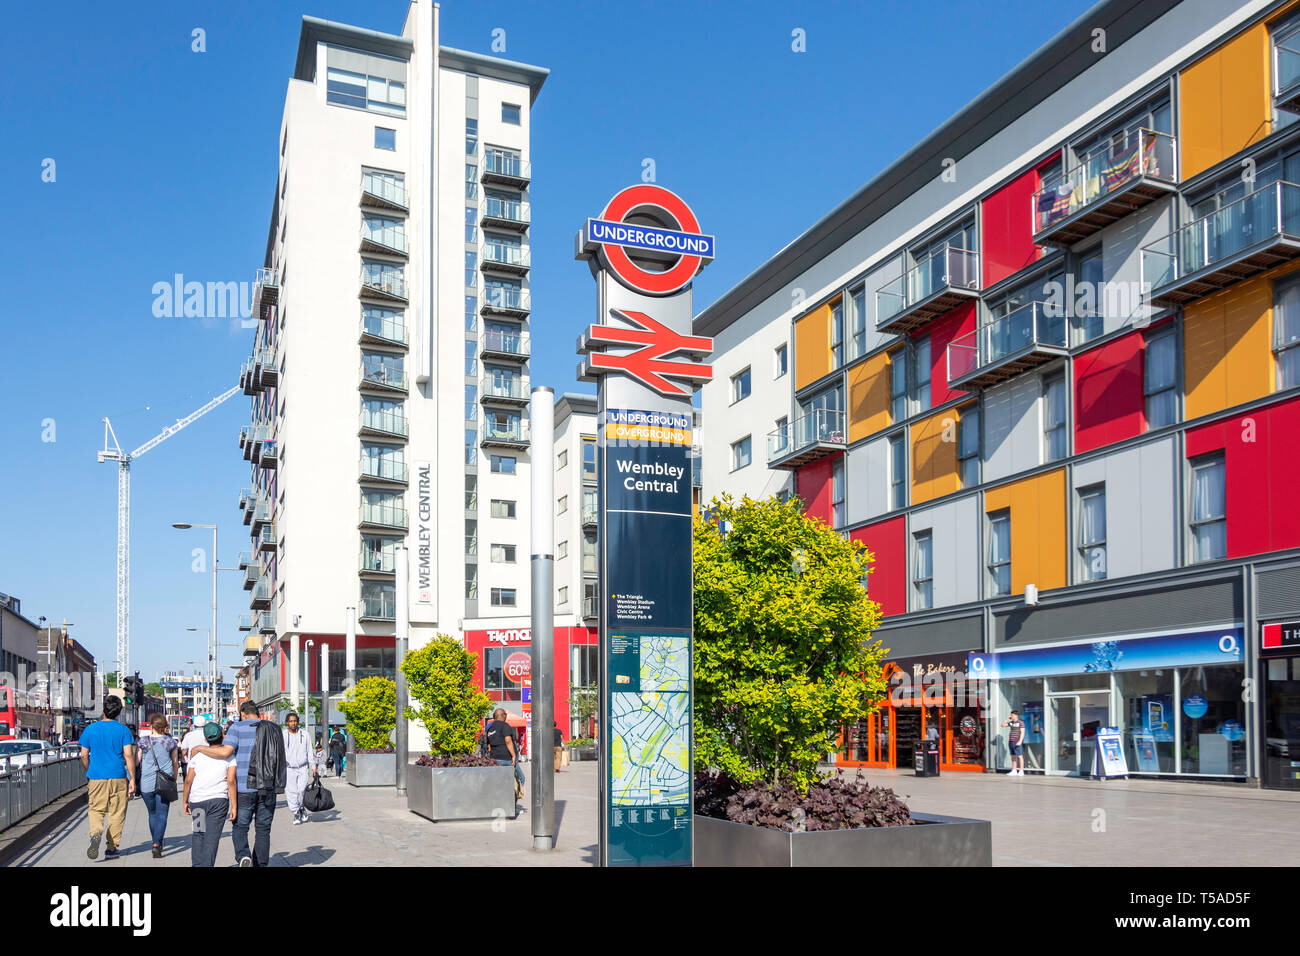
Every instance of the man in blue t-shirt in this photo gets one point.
(108, 757)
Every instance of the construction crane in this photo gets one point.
(124, 460)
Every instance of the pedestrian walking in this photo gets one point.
(159, 771)
(1015, 742)
(338, 750)
(559, 745)
(301, 765)
(108, 757)
(503, 747)
(210, 798)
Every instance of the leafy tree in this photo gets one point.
(283, 704)
(370, 708)
(153, 690)
(584, 704)
(110, 679)
(783, 650)
(440, 677)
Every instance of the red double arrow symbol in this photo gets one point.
(647, 363)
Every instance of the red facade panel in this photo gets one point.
(1007, 241)
(520, 639)
(1261, 461)
(1109, 404)
(887, 582)
(960, 321)
(812, 483)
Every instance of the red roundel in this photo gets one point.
(652, 283)
(519, 666)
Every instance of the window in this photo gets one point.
(562, 550)
(562, 459)
(589, 459)
(471, 137)
(739, 386)
(563, 596)
(1091, 323)
(471, 181)
(897, 473)
(360, 91)
(502, 508)
(968, 446)
(385, 138)
(503, 464)
(1160, 379)
(589, 565)
(471, 492)
(922, 571)
(1209, 509)
(858, 300)
(1000, 553)
(921, 360)
(1286, 327)
(1286, 70)
(510, 114)
(740, 453)
(781, 440)
(503, 597)
(780, 361)
(1054, 436)
(837, 494)
(1092, 533)
(898, 385)
(503, 554)
(837, 334)
(562, 505)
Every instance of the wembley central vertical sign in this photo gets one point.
(644, 250)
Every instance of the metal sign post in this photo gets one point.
(542, 670)
(644, 250)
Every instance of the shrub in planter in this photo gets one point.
(832, 804)
(457, 760)
(370, 708)
(440, 678)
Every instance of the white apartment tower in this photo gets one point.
(389, 377)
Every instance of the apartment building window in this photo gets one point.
(780, 361)
(1000, 553)
(379, 94)
(471, 181)
(922, 571)
(503, 597)
(1092, 533)
(562, 505)
(471, 492)
(471, 223)
(1091, 323)
(1286, 323)
(471, 313)
(921, 362)
(739, 386)
(589, 554)
(590, 596)
(589, 459)
(562, 459)
(741, 453)
(510, 114)
(858, 304)
(502, 293)
(589, 504)
(471, 446)
(562, 596)
(898, 384)
(384, 184)
(503, 508)
(471, 137)
(471, 582)
(386, 462)
(1054, 436)
(385, 138)
(782, 436)
(968, 446)
(1209, 522)
(837, 494)
(562, 550)
(386, 277)
(503, 554)
(1160, 379)
(897, 472)
(471, 268)
(471, 538)
(471, 403)
(837, 334)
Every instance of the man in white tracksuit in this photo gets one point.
(300, 758)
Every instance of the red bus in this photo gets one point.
(20, 718)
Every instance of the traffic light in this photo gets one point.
(133, 690)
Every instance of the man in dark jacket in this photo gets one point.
(255, 792)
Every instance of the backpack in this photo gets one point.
(267, 766)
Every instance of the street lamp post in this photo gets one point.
(203, 685)
(212, 635)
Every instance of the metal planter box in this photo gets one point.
(371, 770)
(460, 793)
(581, 753)
(934, 841)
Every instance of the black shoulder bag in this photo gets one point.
(164, 783)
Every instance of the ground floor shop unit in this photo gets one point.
(1280, 679)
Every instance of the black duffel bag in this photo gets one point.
(316, 798)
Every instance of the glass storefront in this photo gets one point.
(1282, 723)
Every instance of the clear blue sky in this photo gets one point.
(165, 163)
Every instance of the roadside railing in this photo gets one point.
(31, 781)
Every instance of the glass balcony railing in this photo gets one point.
(1012, 335)
(505, 343)
(949, 267)
(388, 421)
(246, 622)
(384, 187)
(822, 426)
(384, 235)
(500, 254)
(389, 515)
(507, 210)
(589, 514)
(1230, 233)
(266, 539)
(387, 328)
(506, 164)
(384, 281)
(266, 620)
(1103, 173)
(378, 560)
(262, 591)
(384, 469)
(515, 432)
(508, 388)
(504, 297)
(383, 376)
(589, 608)
(246, 559)
(377, 604)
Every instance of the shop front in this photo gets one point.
(1280, 664)
(1176, 699)
(928, 698)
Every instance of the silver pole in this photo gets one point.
(350, 662)
(212, 648)
(542, 552)
(324, 695)
(400, 636)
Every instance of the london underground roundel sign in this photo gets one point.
(677, 239)
(518, 666)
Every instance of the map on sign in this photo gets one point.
(650, 715)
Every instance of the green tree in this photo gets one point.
(283, 704)
(440, 677)
(370, 708)
(784, 655)
(153, 690)
(584, 704)
(110, 679)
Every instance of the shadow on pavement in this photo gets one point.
(312, 856)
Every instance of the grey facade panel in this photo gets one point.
(1121, 254)
(1277, 593)
(932, 637)
(369, 63)
(1141, 519)
(954, 527)
(868, 477)
(1159, 609)
(1012, 430)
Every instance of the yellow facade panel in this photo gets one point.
(812, 346)
(868, 397)
(1224, 101)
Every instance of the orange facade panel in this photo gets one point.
(869, 397)
(1037, 507)
(934, 457)
(1227, 355)
(1224, 101)
(812, 346)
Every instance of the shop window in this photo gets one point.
(1213, 717)
(1147, 719)
(497, 684)
(1209, 524)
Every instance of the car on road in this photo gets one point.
(24, 753)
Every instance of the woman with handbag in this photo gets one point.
(159, 766)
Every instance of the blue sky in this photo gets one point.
(165, 162)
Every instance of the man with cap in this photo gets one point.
(209, 798)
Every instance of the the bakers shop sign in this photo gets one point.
(517, 635)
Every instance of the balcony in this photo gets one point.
(381, 423)
(382, 516)
(387, 285)
(269, 453)
(590, 516)
(248, 379)
(513, 435)
(383, 469)
(266, 368)
(815, 435)
(387, 240)
(938, 283)
(508, 168)
(383, 378)
(245, 560)
(266, 539)
(1235, 242)
(377, 561)
(382, 192)
(252, 646)
(266, 621)
(504, 258)
(504, 345)
(246, 622)
(252, 574)
(382, 330)
(506, 391)
(261, 598)
(378, 606)
(1106, 186)
(590, 609)
(506, 213)
(266, 290)
(261, 514)
(251, 438)
(1024, 339)
(502, 300)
